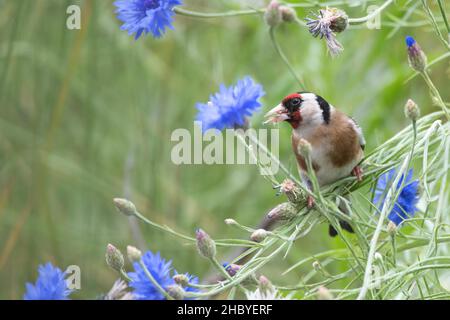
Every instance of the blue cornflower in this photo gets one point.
(161, 271)
(229, 107)
(410, 41)
(50, 285)
(405, 206)
(148, 16)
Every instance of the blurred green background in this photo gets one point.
(87, 115)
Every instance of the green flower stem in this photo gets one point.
(238, 13)
(444, 17)
(438, 59)
(435, 25)
(394, 250)
(267, 175)
(220, 242)
(390, 199)
(154, 282)
(421, 243)
(436, 94)
(195, 14)
(275, 159)
(284, 58)
(220, 268)
(370, 16)
(200, 286)
(163, 228)
(124, 275)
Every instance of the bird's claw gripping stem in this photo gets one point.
(310, 202)
(358, 173)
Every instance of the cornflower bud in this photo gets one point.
(230, 222)
(378, 257)
(288, 14)
(412, 110)
(283, 211)
(391, 227)
(259, 235)
(232, 268)
(273, 16)
(134, 254)
(125, 206)
(416, 57)
(265, 286)
(175, 291)
(114, 258)
(205, 245)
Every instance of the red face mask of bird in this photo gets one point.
(287, 110)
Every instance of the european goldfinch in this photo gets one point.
(337, 142)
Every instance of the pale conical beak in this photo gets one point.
(277, 114)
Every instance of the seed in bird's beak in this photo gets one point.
(277, 114)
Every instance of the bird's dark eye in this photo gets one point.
(295, 102)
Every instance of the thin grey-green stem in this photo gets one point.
(124, 275)
(431, 63)
(371, 15)
(444, 17)
(222, 270)
(284, 58)
(227, 14)
(249, 12)
(383, 214)
(275, 159)
(153, 281)
(435, 25)
(436, 94)
(163, 228)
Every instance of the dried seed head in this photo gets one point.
(205, 245)
(114, 258)
(134, 254)
(273, 16)
(412, 110)
(259, 235)
(291, 190)
(338, 20)
(326, 24)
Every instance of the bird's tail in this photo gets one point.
(344, 224)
